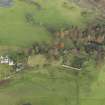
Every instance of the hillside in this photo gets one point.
(52, 52)
(23, 22)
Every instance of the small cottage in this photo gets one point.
(6, 60)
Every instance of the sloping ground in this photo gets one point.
(46, 86)
(97, 95)
(41, 88)
(16, 29)
(53, 86)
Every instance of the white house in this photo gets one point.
(11, 63)
(6, 60)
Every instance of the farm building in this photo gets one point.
(6, 60)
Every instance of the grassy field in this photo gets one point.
(52, 85)
(42, 88)
(15, 30)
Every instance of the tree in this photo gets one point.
(18, 56)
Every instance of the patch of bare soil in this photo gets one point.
(4, 82)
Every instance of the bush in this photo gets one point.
(17, 56)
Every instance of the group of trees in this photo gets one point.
(74, 41)
(94, 32)
(90, 40)
(20, 59)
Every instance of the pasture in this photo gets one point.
(53, 86)
(17, 30)
(27, 21)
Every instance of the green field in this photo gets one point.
(50, 85)
(15, 30)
